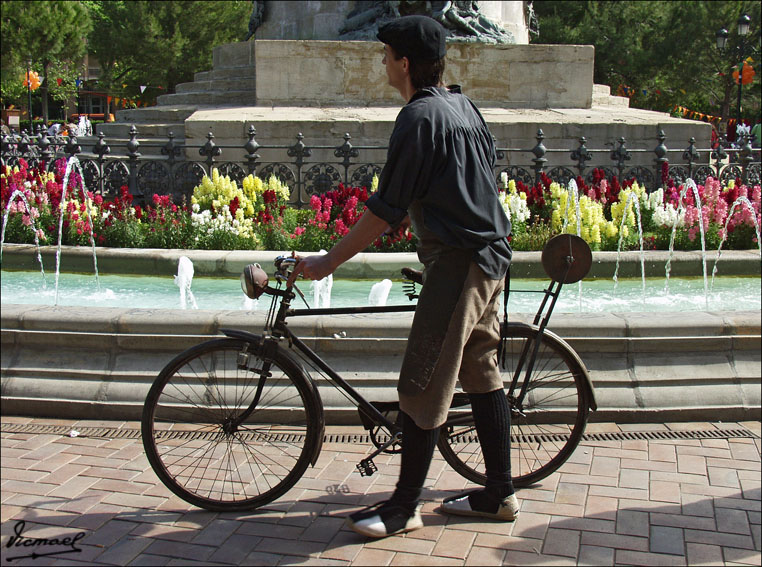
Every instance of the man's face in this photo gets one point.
(396, 69)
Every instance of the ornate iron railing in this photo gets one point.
(311, 169)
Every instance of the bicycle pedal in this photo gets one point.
(366, 467)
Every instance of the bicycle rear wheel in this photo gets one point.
(226, 428)
(545, 428)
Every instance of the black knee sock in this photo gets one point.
(417, 450)
(492, 417)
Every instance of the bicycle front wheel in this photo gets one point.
(226, 428)
(546, 425)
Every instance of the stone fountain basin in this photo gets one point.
(78, 362)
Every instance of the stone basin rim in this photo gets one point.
(154, 261)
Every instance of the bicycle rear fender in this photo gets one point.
(588, 381)
(269, 348)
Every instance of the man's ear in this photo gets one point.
(406, 64)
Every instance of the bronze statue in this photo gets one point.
(463, 20)
(256, 18)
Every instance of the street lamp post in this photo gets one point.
(29, 90)
(79, 103)
(744, 22)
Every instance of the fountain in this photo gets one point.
(33, 226)
(678, 365)
(572, 192)
(631, 197)
(183, 280)
(379, 292)
(321, 289)
(740, 201)
(70, 165)
(689, 184)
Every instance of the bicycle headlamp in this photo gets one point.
(253, 281)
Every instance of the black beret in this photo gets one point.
(415, 37)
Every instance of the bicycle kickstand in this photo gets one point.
(367, 467)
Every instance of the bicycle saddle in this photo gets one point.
(253, 281)
(413, 275)
(566, 258)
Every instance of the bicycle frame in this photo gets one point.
(278, 330)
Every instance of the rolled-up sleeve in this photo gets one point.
(405, 172)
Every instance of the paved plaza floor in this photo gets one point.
(649, 494)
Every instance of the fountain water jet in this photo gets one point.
(379, 293)
(740, 201)
(19, 193)
(689, 184)
(70, 165)
(573, 191)
(321, 289)
(630, 197)
(183, 280)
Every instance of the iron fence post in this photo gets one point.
(539, 160)
(691, 156)
(101, 149)
(132, 152)
(210, 150)
(172, 151)
(581, 155)
(745, 158)
(620, 155)
(299, 151)
(661, 157)
(251, 150)
(44, 144)
(346, 152)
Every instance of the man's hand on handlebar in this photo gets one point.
(314, 267)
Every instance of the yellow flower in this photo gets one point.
(595, 233)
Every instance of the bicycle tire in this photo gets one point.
(554, 414)
(187, 434)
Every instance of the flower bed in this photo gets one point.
(225, 216)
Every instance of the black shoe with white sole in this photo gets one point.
(481, 504)
(385, 519)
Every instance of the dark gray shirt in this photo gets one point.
(440, 157)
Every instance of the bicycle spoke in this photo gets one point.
(205, 455)
(547, 419)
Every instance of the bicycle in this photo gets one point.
(232, 424)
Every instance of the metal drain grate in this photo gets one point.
(352, 438)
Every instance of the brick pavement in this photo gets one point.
(616, 502)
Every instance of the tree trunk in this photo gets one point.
(725, 105)
(44, 92)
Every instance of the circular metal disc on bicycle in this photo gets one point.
(566, 258)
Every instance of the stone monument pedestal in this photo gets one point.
(325, 89)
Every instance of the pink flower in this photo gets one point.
(340, 227)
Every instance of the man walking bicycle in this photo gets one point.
(439, 177)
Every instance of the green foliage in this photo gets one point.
(667, 49)
(531, 237)
(45, 32)
(160, 44)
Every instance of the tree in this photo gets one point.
(662, 54)
(45, 32)
(160, 44)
